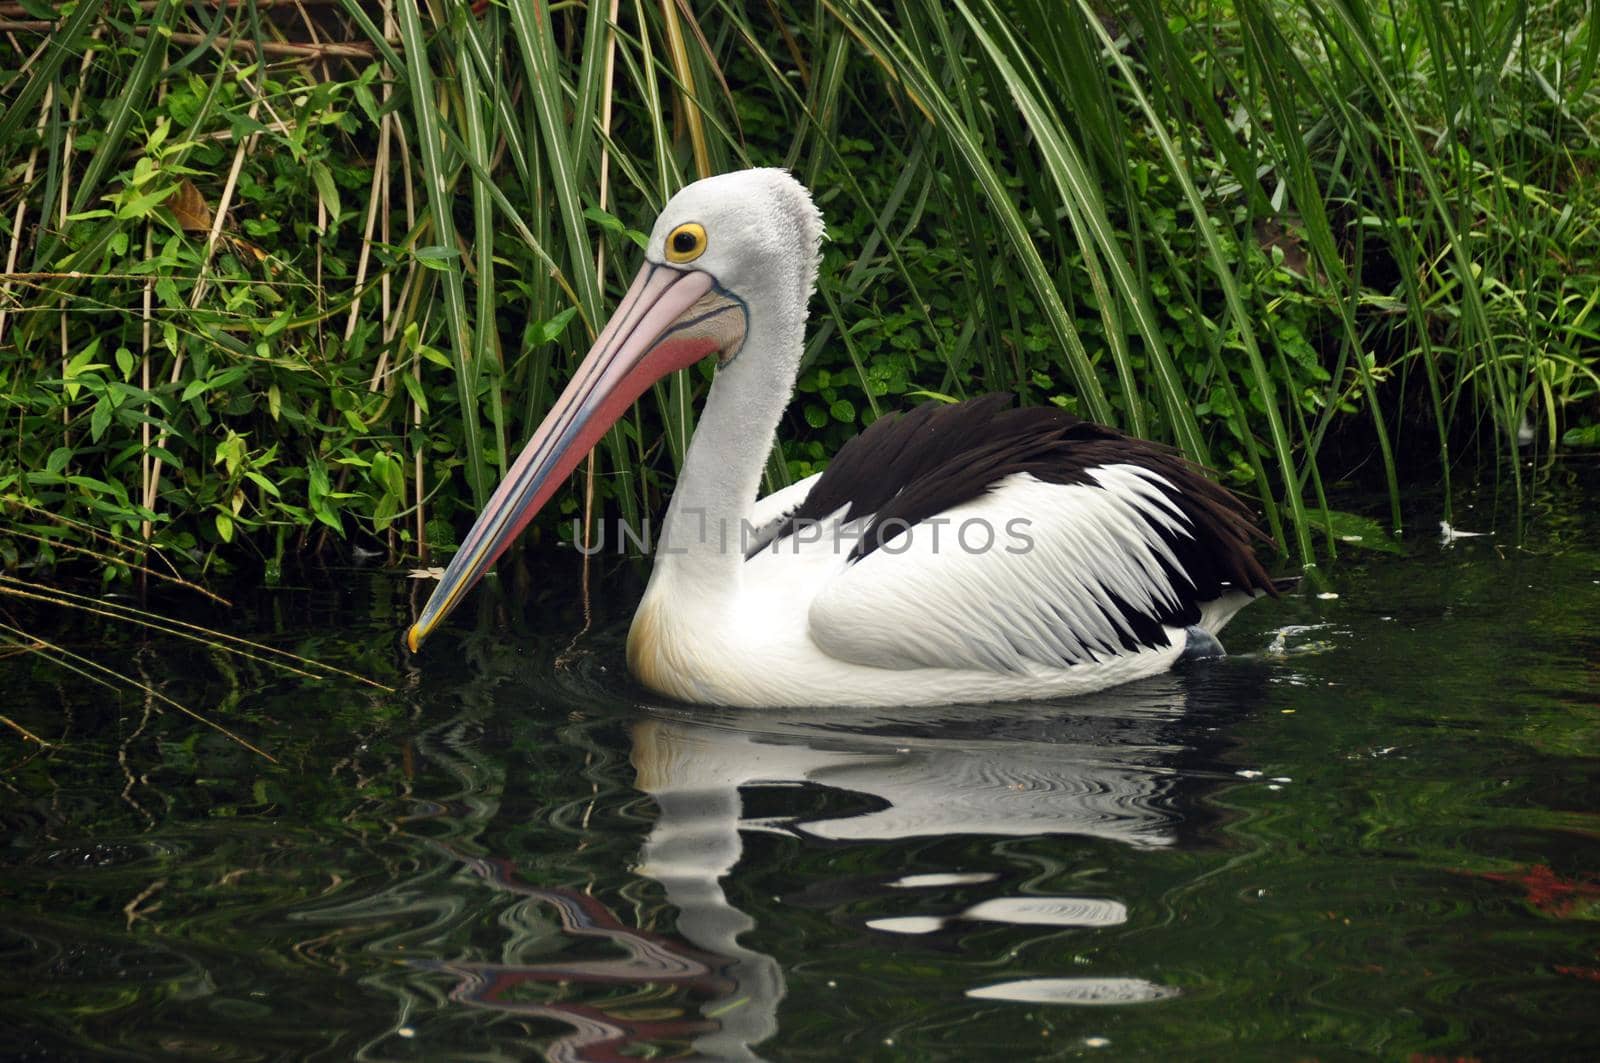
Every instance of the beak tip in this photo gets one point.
(413, 638)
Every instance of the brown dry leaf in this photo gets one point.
(189, 207)
(251, 249)
(1285, 232)
(245, 247)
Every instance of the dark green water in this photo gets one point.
(1372, 832)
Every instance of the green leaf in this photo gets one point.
(230, 453)
(436, 257)
(414, 388)
(1582, 436)
(83, 361)
(387, 472)
(143, 204)
(158, 135)
(100, 418)
(548, 330)
(1354, 530)
(434, 355)
(221, 380)
(612, 224)
(329, 517)
(89, 483)
(322, 177)
(265, 484)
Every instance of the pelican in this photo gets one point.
(965, 552)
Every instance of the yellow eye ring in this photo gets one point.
(686, 243)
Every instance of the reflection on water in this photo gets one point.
(598, 1033)
(1019, 911)
(1099, 767)
(1374, 826)
(1075, 991)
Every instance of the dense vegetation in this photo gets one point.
(288, 278)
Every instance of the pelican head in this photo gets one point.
(729, 255)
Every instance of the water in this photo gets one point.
(1372, 832)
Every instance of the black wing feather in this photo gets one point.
(906, 468)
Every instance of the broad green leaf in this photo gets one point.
(134, 207)
(1352, 529)
(326, 188)
(100, 418)
(438, 258)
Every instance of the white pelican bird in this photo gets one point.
(959, 553)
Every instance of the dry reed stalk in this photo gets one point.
(609, 83)
(322, 207)
(22, 209)
(96, 535)
(66, 184)
(687, 108)
(33, 56)
(147, 302)
(87, 667)
(311, 30)
(184, 629)
(23, 731)
(319, 52)
(418, 441)
(146, 528)
(380, 165)
(146, 6)
(113, 559)
(152, 485)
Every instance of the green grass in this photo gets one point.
(261, 303)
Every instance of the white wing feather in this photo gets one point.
(782, 502)
(1040, 593)
(768, 513)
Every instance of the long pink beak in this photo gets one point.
(647, 338)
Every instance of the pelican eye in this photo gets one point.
(686, 243)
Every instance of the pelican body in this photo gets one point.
(966, 552)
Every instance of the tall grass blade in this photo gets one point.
(60, 45)
(1077, 190)
(960, 137)
(423, 99)
(1239, 315)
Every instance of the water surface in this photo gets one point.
(1371, 832)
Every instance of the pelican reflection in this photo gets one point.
(1104, 767)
